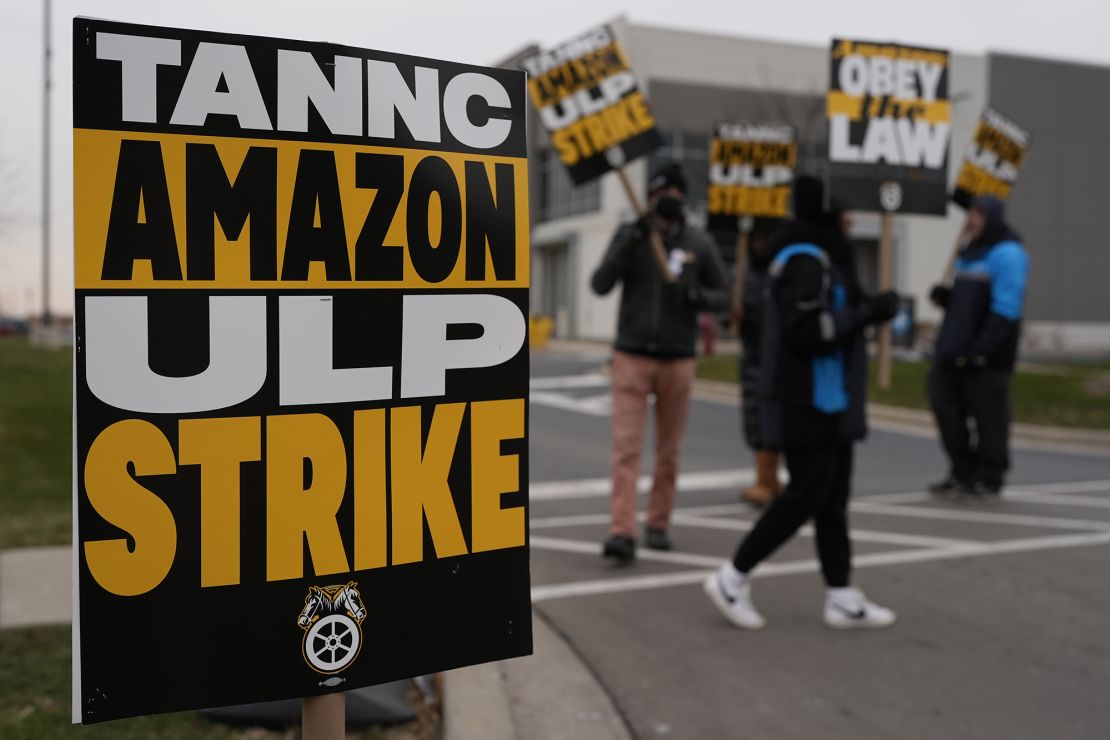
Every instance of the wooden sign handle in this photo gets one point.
(950, 267)
(656, 242)
(324, 717)
(740, 273)
(886, 282)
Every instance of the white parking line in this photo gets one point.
(564, 382)
(766, 570)
(985, 517)
(1060, 499)
(742, 525)
(712, 480)
(592, 406)
(862, 535)
(1084, 486)
(594, 548)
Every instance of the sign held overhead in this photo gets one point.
(591, 104)
(993, 159)
(889, 120)
(751, 168)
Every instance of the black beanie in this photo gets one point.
(668, 175)
(809, 199)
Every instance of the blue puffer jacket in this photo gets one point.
(813, 383)
(983, 309)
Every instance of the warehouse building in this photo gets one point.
(696, 79)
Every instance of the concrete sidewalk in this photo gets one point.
(551, 695)
(35, 586)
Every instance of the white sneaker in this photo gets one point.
(731, 594)
(849, 609)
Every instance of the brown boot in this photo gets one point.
(766, 487)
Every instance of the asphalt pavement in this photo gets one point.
(1004, 610)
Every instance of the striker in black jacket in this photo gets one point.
(658, 318)
(812, 393)
(976, 351)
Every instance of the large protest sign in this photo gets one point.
(591, 104)
(993, 160)
(889, 127)
(751, 167)
(301, 370)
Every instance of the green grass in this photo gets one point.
(1058, 395)
(35, 697)
(35, 493)
(35, 700)
(35, 448)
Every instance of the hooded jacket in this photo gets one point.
(813, 382)
(656, 318)
(983, 309)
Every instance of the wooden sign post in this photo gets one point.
(657, 248)
(740, 273)
(324, 717)
(886, 282)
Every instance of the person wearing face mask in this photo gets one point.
(654, 350)
(812, 389)
(976, 351)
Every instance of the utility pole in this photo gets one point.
(46, 163)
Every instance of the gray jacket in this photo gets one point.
(659, 318)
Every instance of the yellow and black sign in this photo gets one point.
(993, 160)
(301, 371)
(890, 121)
(591, 104)
(751, 168)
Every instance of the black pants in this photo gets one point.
(820, 481)
(984, 396)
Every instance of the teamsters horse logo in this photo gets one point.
(332, 623)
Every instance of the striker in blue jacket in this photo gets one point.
(976, 351)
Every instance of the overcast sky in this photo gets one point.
(473, 31)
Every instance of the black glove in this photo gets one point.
(883, 307)
(939, 295)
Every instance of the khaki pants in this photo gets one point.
(636, 377)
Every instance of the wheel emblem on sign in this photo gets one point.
(890, 196)
(615, 156)
(332, 623)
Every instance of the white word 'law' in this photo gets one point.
(896, 141)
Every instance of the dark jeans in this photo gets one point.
(820, 482)
(984, 396)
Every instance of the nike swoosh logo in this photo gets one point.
(724, 591)
(857, 614)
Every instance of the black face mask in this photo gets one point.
(670, 208)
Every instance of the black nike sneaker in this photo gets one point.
(657, 539)
(945, 487)
(619, 548)
(981, 491)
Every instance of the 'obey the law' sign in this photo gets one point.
(301, 369)
(889, 118)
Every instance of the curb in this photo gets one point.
(549, 695)
(1063, 439)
